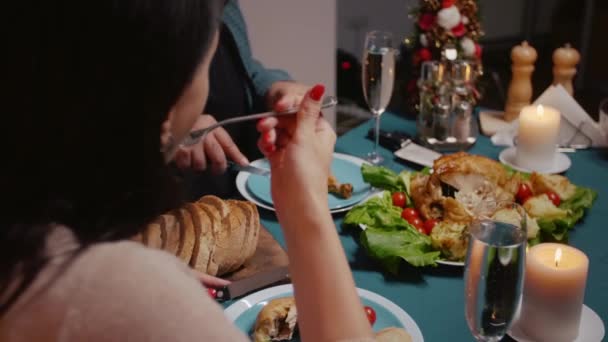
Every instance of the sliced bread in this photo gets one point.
(215, 222)
(187, 235)
(200, 253)
(172, 232)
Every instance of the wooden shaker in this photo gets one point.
(520, 90)
(565, 60)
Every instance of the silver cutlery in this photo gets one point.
(195, 136)
(249, 168)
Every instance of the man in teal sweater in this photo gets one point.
(239, 85)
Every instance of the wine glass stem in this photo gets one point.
(377, 135)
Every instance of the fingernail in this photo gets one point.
(317, 92)
(212, 292)
(245, 161)
(267, 137)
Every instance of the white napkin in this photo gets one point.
(573, 116)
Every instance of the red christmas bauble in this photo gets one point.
(459, 30)
(425, 54)
(478, 51)
(447, 3)
(426, 21)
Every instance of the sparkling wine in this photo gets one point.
(493, 277)
(378, 78)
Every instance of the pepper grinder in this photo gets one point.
(565, 60)
(520, 90)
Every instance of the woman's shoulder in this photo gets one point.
(142, 294)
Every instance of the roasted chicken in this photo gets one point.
(344, 190)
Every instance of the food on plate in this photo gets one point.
(443, 202)
(277, 321)
(451, 239)
(392, 334)
(513, 217)
(344, 190)
(399, 199)
(554, 183)
(371, 314)
(212, 236)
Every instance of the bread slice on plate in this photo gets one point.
(200, 253)
(393, 334)
(172, 232)
(241, 232)
(187, 235)
(215, 222)
(251, 231)
(154, 235)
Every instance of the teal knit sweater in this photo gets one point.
(261, 77)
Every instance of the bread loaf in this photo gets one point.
(212, 236)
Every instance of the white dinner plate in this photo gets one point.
(591, 328)
(561, 164)
(242, 179)
(245, 311)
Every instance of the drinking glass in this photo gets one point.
(378, 76)
(494, 270)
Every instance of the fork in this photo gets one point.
(195, 136)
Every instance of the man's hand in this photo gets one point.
(211, 152)
(283, 95)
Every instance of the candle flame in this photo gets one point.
(558, 256)
(540, 110)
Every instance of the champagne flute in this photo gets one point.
(378, 75)
(494, 271)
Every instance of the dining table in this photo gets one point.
(434, 296)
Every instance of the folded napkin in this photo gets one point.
(573, 118)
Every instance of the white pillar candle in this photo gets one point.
(537, 137)
(554, 289)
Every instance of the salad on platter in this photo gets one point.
(422, 217)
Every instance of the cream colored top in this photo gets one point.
(117, 291)
(120, 291)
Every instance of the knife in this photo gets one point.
(253, 283)
(249, 168)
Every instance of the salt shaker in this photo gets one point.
(441, 118)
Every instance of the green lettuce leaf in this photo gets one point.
(556, 229)
(382, 177)
(391, 246)
(389, 238)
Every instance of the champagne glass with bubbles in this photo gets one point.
(494, 270)
(378, 73)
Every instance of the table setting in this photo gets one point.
(463, 222)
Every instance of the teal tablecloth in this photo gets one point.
(434, 296)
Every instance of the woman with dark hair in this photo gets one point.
(98, 95)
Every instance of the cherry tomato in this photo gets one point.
(417, 222)
(523, 193)
(399, 199)
(371, 314)
(554, 198)
(429, 225)
(409, 213)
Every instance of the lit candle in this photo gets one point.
(554, 289)
(537, 137)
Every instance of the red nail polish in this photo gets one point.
(267, 138)
(212, 292)
(317, 92)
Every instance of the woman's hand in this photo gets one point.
(299, 149)
(213, 151)
(283, 95)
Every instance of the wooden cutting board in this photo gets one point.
(268, 255)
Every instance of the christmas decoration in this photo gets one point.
(443, 25)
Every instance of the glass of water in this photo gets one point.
(494, 271)
(378, 76)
